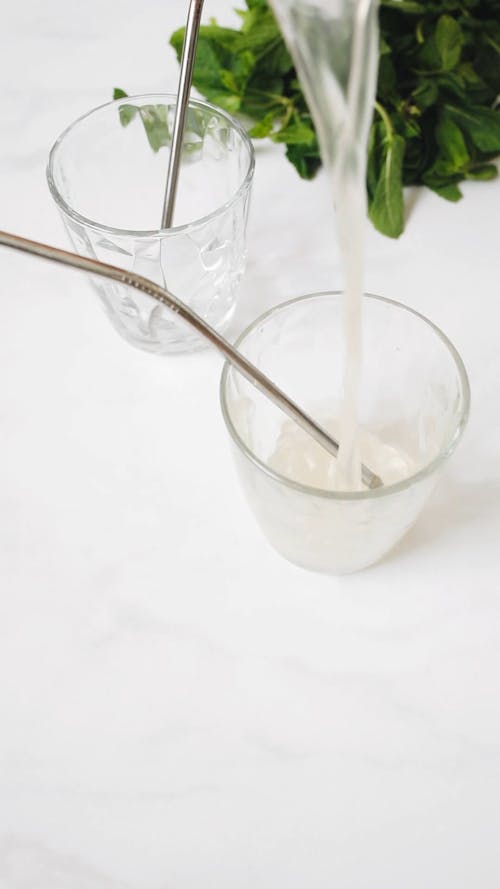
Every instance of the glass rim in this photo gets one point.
(157, 232)
(369, 493)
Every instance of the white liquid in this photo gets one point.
(299, 457)
(334, 44)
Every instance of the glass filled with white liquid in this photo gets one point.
(413, 408)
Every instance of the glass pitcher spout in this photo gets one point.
(334, 45)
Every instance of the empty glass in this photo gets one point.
(107, 175)
(413, 410)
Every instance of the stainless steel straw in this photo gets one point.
(235, 358)
(185, 80)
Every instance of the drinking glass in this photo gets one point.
(107, 175)
(414, 399)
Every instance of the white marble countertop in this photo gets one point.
(180, 708)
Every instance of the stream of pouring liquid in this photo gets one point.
(334, 45)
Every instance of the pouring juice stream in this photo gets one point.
(334, 44)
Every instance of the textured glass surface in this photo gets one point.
(415, 398)
(109, 185)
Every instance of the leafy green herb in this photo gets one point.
(154, 118)
(436, 120)
(385, 190)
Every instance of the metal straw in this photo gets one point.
(185, 80)
(235, 358)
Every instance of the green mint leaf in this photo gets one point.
(449, 39)
(376, 142)
(220, 71)
(305, 159)
(448, 192)
(297, 132)
(154, 118)
(387, 206)
(426, 94)
(429, 60)
(126, 112)
(406, 6)
(387, 78)
(264, 127)
(227, 101)
(469, 75)
(483, 173)
(236, 78)
(482, 125)
(384, 48)
(259, 29)
(452, 143)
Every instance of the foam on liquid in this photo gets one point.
(298, 456)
